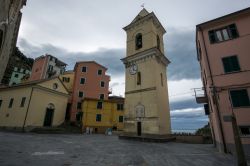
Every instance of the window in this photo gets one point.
(79, 116)
(119, 106)
(231, 64)
(50, 69)
(99, 72)
(245, 130)
(161, 80)
(51, 58)
(158, 42)
(102, 83)
(199, 53)
(138, 78)
(16, 75)
(99, 105)
(80, 94)
(66, 79)
(98, 117)
(84, 69)
(240, 98)
(223, 34)
(1, 38)
(11, 102)
(55, 86)
(1, 101)
(82, 81)
(102, 96)
(23, 102)
(120, 119)
(138, 41)
(79, 105)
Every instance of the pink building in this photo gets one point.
(90, 81)
(46, 66)
(223, 48)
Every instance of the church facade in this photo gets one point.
(146, 94)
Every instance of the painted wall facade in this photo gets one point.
(225, 70)
(46, 66)
(30, 103)
(68, 80)
(87, 84)
(18, 75)
(110, 115)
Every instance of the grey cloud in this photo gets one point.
(114, 84)
(193, 113)
(189, 103)
(187, 114)
(181, 51)
(109, 58)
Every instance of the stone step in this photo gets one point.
(148, 138)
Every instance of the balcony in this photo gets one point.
(200, 95)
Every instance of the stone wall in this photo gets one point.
(10, 19)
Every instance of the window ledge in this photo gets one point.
(219, 42)
(233, 72)
(241, 107)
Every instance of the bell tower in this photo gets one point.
(146, 94)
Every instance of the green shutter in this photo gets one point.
(240, 98)
(235, 63)
(233, 31)
(231, 64)
(212, 37)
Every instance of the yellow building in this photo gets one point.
(33, 104)
(68, 80)
(103, 114)
(146, 94)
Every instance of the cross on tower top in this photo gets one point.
(142, 5)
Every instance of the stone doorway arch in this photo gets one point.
(49, 115)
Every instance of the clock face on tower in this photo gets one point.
(133, 69)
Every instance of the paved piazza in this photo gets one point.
(97, 150)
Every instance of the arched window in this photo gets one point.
(158, 42)
(51, 106)
(138, 41)
(1, 38)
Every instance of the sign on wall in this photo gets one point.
(139, 111)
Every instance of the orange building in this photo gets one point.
(46, 66)
(90, 81)
(223, 53)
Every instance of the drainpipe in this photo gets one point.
(215, 93)
(238, 144)
(27, 111)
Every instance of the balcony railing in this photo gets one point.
(200, 95)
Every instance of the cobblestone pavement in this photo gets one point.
(65, 150)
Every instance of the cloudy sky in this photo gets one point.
(78, 30)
